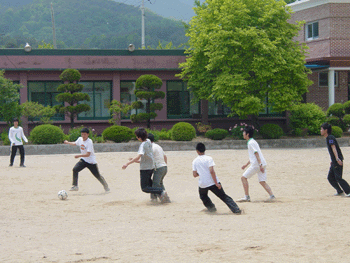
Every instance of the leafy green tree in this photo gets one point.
(117, 108)
(72, 95)
(146, 86)
(9, 97)
(34, 111)
(243, 50)
(44, 45)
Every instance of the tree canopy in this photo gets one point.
(243, 51)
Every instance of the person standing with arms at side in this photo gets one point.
(16, 135)
(203, 167)
(257, 166)
(161, 168)
(335, 173)
(88, 159)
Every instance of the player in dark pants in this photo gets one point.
(88, 160)
(16, 135)
(335, 174)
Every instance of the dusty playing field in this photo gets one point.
(305, 224)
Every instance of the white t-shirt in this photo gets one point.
(201, 165)
(16, 135)
(85, 147)
(147, 161)
(253, 147)
(158, 155)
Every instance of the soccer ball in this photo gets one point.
(62, 195)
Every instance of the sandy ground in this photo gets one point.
(305, 224)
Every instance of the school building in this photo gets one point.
(327, 34)
(111, 75)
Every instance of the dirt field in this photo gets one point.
(306, 223)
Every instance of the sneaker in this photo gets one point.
(22, 165)
(271, 198)
(107, 190)
(339, 194)
(11, 164)
(163, 197)
(212, 209)
(244, 199)
(74, 188)
(348, 195)
(238, 212)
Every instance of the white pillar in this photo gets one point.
(331, 92)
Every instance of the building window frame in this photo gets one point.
(93, 108)
(323, 79)
(312, 30)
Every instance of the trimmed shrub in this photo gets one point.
(337, 131)
(216, 134)
(118, 134)
(5, 138)
(237, 130)
(346, 120)
(307, 116)
(47, 134)
(183, 131)
(337, 109)
(271, 131)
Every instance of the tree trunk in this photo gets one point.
(148, 111)
(72, 121)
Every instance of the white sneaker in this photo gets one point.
(74, 188)
(341, 194)
(271, 198)
(163, 197)
(244, 199)
(348, 195)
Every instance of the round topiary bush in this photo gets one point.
(337, 131)
(271, 131)
(183, 131)
(216, 134)
(118, 133)
(47, 134)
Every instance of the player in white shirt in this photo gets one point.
(160, 167)
(257, 166)
(88, 159)
(16, 135)
(203, 167)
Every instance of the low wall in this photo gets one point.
(177, 146)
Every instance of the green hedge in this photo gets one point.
(337, 131)
(118, 133)
(271, 131)
(183, 131)
(47, 134)
(216, 134)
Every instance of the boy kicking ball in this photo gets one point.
(203, 167)
(257, 166)
(88, 159)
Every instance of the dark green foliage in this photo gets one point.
(337, 131)
(237, 131)
(145, 90)
(5, 138)
(337, 109)
(346, 120)
(307, 116)
(346, 106)
(47, 134)
(71, 94)
(86, 24)
(333, 120)
(70, 75)
(118, 134)
(337, 112)
(183, 131)
(216, 134)
(271, 131)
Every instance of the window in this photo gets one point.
(179, 101)
(127, 95)
(268, 112)
(44, 92)
(311, 31)
(100, 93)
(323, 79)
(218, 109)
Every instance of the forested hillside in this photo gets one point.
(100, 24)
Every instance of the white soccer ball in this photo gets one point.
(62, 195)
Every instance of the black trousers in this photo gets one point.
(14, 151)
(203, 194)
(146, 183)
(335, 178)
(93, 169)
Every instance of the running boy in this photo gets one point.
(88, 159)
(257, 165)
(203, 167)
(335, 173)
(161, 168)
(16, 135)
(146, 160)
